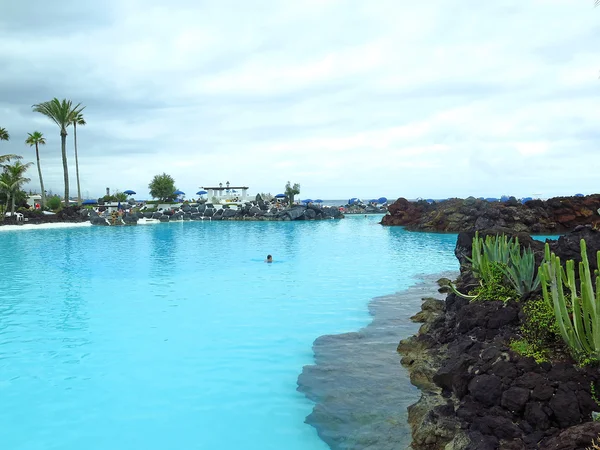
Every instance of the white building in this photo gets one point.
(227, 194)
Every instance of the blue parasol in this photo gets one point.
(280, 196)
(129, 192)
(201, 192)
(382, 200)
(579, 195)
(308, 200)
(89, 202)
(318, 201)
(178, 192)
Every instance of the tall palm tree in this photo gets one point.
(4, 136)
(36, 138)
(78, 120)
(62, 114)
(11, 181)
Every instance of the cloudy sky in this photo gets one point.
(346, 97)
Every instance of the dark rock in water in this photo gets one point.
(209, 212)
(148, 215)
(486, 389)
(201, 208)
(555, 215)
(195, 216)
(578, 437)
(164, 218)
(229, 213)
(157, 215)
(193, 209)
(515, 398)
(310, 214)
(187, 216)
(98, 221)
(186, 208)
(254, 210)
(294, 213)
(130, 219)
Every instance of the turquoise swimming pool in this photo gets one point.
(179, 335)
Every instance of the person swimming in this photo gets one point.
(269, 259)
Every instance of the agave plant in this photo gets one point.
(520, 270)
(577, 315)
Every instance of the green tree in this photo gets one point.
(62, 114)
(121, 197)
(78, 120)
(4, 136)
(11, 181)
(36, 138)
(291, 191)
(162, 187)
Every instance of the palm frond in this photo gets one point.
(62, 113)
(4, 136)
(35, 138)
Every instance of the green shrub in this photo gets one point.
(524, 348)
(53, 202)
(540, 328)
(496, 287)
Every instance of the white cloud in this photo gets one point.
(349, 98)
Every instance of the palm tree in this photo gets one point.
(62, 114)
(11, 181)
(78, 120)
(4, 136)
(36, 138)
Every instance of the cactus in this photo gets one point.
(518, 267)
(577, 315)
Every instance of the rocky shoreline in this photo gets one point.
(552, 216)
(249, 212)
(360, 390)
(477, 393)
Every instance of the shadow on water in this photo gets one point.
(360, 389)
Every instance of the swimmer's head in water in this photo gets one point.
(269, 258)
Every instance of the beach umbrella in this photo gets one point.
(504, 198)
(201, 193)
(129, 192)
(491, 199)
(318, 201)
(382, 200)
(353, 200)
(579, 195)
(119, 205)
(89, 202)
(430, 201)
(280, 196)
(308, 200)
(178, 192)
(526, 199)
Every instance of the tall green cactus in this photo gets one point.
(577, 314)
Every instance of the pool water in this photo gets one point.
(180, 336)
